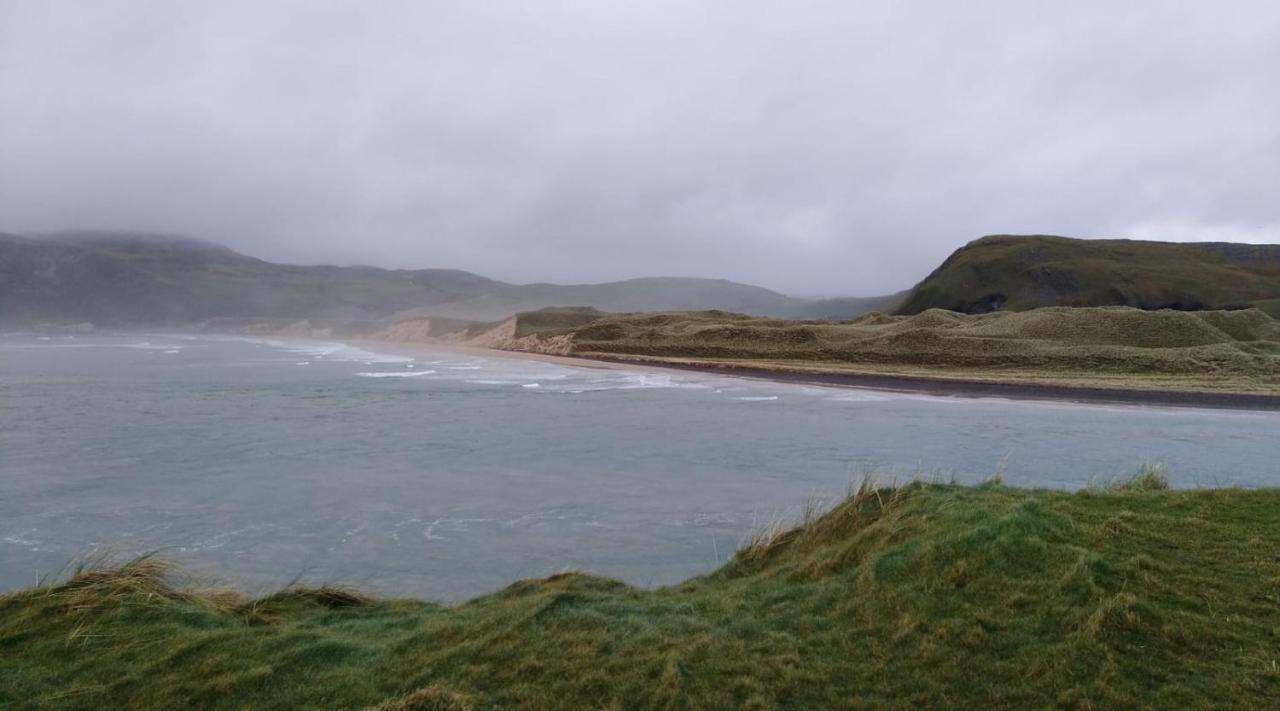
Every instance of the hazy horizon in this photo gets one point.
(96, 233)
(816, 148)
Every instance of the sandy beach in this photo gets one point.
(923, 385)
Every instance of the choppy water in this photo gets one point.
(445, 474)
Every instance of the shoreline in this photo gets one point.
(936, 386)
(416, 347)
(907, 384)
(967, 388)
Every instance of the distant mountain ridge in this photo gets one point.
(1018, 273)
(119, 279)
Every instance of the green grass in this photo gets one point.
(1015, 272)
(1269, 306)
(555, 320)
(1117, 596)
(1102, 347)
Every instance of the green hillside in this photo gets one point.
(1209, 349)
(1017, 273)
(926, 595)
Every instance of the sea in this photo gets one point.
(443, 474)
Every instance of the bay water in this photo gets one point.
(444, 474)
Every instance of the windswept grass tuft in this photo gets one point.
(429, 698)
(1151, 476)
(100, 582)
(330, 596)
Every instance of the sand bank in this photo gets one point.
(917, 384)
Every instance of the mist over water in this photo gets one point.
(446, 474)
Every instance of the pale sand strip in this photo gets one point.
(942, 387)
(417, 349)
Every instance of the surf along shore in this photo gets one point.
(1217, 359)
(895, 382)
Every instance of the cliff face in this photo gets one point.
(505, 337)
(1017, 273)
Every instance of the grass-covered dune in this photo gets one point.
(1015, 272)
(921, 595)
(1206, 350)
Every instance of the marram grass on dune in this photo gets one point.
(1123, 594)
(1116, 347)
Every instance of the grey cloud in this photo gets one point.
(813, 147)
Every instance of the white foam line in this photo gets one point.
(320, 350)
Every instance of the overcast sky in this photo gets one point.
(812, 147)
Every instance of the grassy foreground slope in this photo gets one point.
(927, 594)
(1119, 346)
(1026, 272)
